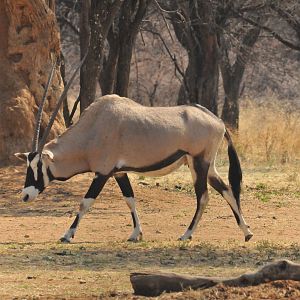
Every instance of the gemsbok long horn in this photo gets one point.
(40, 110)
(59, 102)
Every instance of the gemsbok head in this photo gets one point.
(116, 135)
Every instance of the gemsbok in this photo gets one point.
(116, 135)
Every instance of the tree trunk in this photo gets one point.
(101, 16)
(91, 69)
(232, 76)
(107, 78)
(154, 284)
(132, 14)
(84, 40)
(231, 107)
(28, 36)
(197, 36)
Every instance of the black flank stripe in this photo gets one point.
(157, 166)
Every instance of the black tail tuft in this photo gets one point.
(235, 171)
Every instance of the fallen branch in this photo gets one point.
(153, 284)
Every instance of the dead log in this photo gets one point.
(153, 284)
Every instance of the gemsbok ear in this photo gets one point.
(22, 156)
(48, 155)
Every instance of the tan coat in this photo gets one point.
(115, 132)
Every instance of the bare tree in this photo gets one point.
(236, 40)
(194, 25)
(286, 11)
(101, 16)
(121, 39)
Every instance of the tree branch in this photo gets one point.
(68, 22)
(288, 17)
(153, 284)
(272, 32)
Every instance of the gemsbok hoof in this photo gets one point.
(139, 238)
(64, 240)
(248, 237)
(131, 240)
(182, 239)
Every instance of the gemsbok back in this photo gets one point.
(116, 135)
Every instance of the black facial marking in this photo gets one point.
(30, 180)
(40, 184)
(125, 186)
(29, 177)
(96, 186)
(31, 156)
(201, 169)
(157, 166)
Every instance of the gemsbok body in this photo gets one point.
(115, 135)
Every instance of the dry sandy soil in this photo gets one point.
(33, 265)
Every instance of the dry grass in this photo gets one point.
(269, 132)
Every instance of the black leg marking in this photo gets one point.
(125, 186)
(218, 184)
(133, 220)
(201, 169)
(76, 221)
(236, 216)
(96, 186)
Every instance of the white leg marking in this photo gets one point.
(68, 235)
(137, 231)
(85, 204)
(228, 196)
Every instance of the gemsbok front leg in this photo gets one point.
(199, 169)
(125, 186)
(88, 200)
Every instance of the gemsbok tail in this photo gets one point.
(235, 171)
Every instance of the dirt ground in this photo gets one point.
(98, 262)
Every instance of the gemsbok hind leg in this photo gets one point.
(88, 200)
(219, 185)
(125, 186)
(199, 170)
